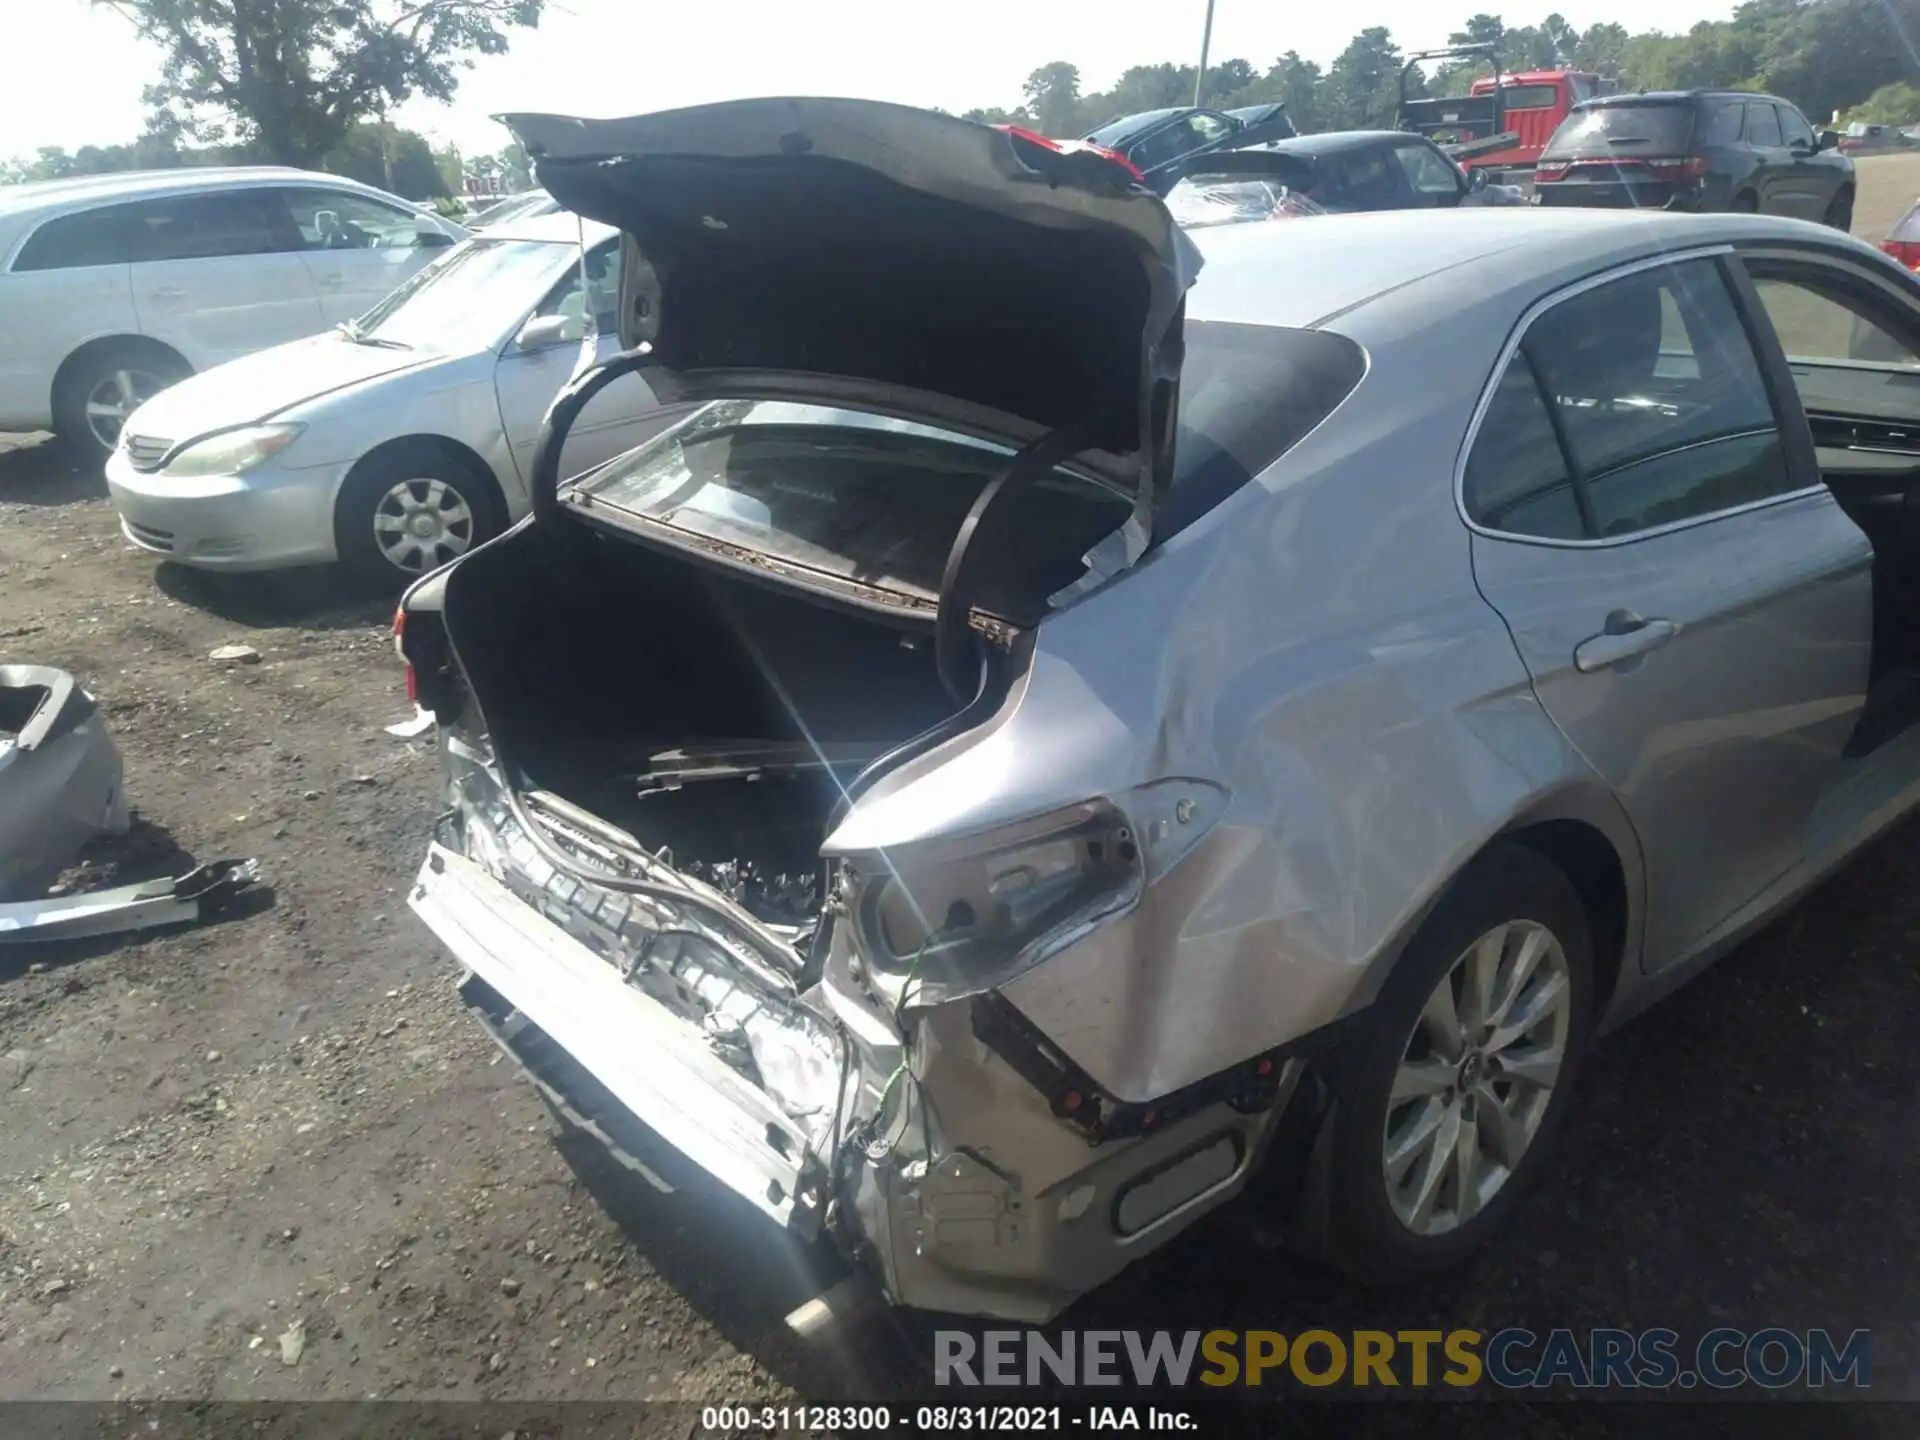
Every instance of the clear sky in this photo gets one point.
(76, 72)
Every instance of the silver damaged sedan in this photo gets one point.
(1072, 721)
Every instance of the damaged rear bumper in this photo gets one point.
(656, 1064)
(954, 1180)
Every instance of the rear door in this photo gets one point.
(216, 276)
(355, 248)
(1694, 608)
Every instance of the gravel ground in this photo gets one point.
(270, 1159)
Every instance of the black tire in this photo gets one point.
(1365, 1237)
(1840, 213)
(436, 482)
(132, 370)
(1745, 203)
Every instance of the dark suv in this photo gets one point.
(1697, 150)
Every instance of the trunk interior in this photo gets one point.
(713, 716)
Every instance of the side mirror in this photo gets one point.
(428, 238)
(1477, 181)
(542, 332)
(1829, 140)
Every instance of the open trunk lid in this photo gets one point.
(918, 264)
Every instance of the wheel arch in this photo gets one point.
(459, 453)
(63, 373)
(1584, 833)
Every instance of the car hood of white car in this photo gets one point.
(260, 386)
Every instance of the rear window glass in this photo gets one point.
(1531, 97)
(867, 498)
(1909, 226)
(1624, 130)
(70, 242)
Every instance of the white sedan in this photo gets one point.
(393, 443)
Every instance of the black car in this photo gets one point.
(1349, 170)
(1155, 138)
(1700, 150)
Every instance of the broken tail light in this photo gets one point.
(1907, 252)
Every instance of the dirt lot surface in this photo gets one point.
(271, 1158)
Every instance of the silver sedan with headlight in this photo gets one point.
(395, 442)
(1073, 714)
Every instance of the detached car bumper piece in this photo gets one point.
(60, 777)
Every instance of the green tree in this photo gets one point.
(1600, 48)
(359, 156)
(1296, 83)
(291, 78)
(1053, 99)
(1362, 89)
(1889, 105)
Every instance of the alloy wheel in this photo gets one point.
(421, 524)
(114, 397)
(1476, 1076)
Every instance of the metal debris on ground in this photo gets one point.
(60, 777)
(196, 895)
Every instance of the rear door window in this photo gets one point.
(1655, 395)
(1722, 122)
(1763, 126)
(205, 227)
(1625, 130)
(72, 242)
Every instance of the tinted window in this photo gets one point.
(1531, 97)
(68, 242)
(1177, 140)
(1763, 125)
(342, 220)
(1364, 178)
(1722, 122)
(1657, 129)
(1517, 478)
(1794, 127)
(205, 227)
(1118, 132)
(1427, 171)
(1658, 398)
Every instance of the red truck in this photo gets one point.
(1504, 121)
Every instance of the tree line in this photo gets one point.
(309, 82)
(1827, 56)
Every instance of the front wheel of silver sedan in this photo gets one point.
(410, 508)
(1451, 1094)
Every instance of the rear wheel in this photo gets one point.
(1449, 1103)
(98, 392)
(1840, 213)
(410, 509)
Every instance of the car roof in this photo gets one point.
(42, 195)
(1673, 97)
(1314, 271)
(561, 226)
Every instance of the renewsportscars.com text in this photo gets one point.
(1600, 1359)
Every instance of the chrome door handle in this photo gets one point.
(1626, 636)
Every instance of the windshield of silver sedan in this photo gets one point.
(466, 299)
(849, 496)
